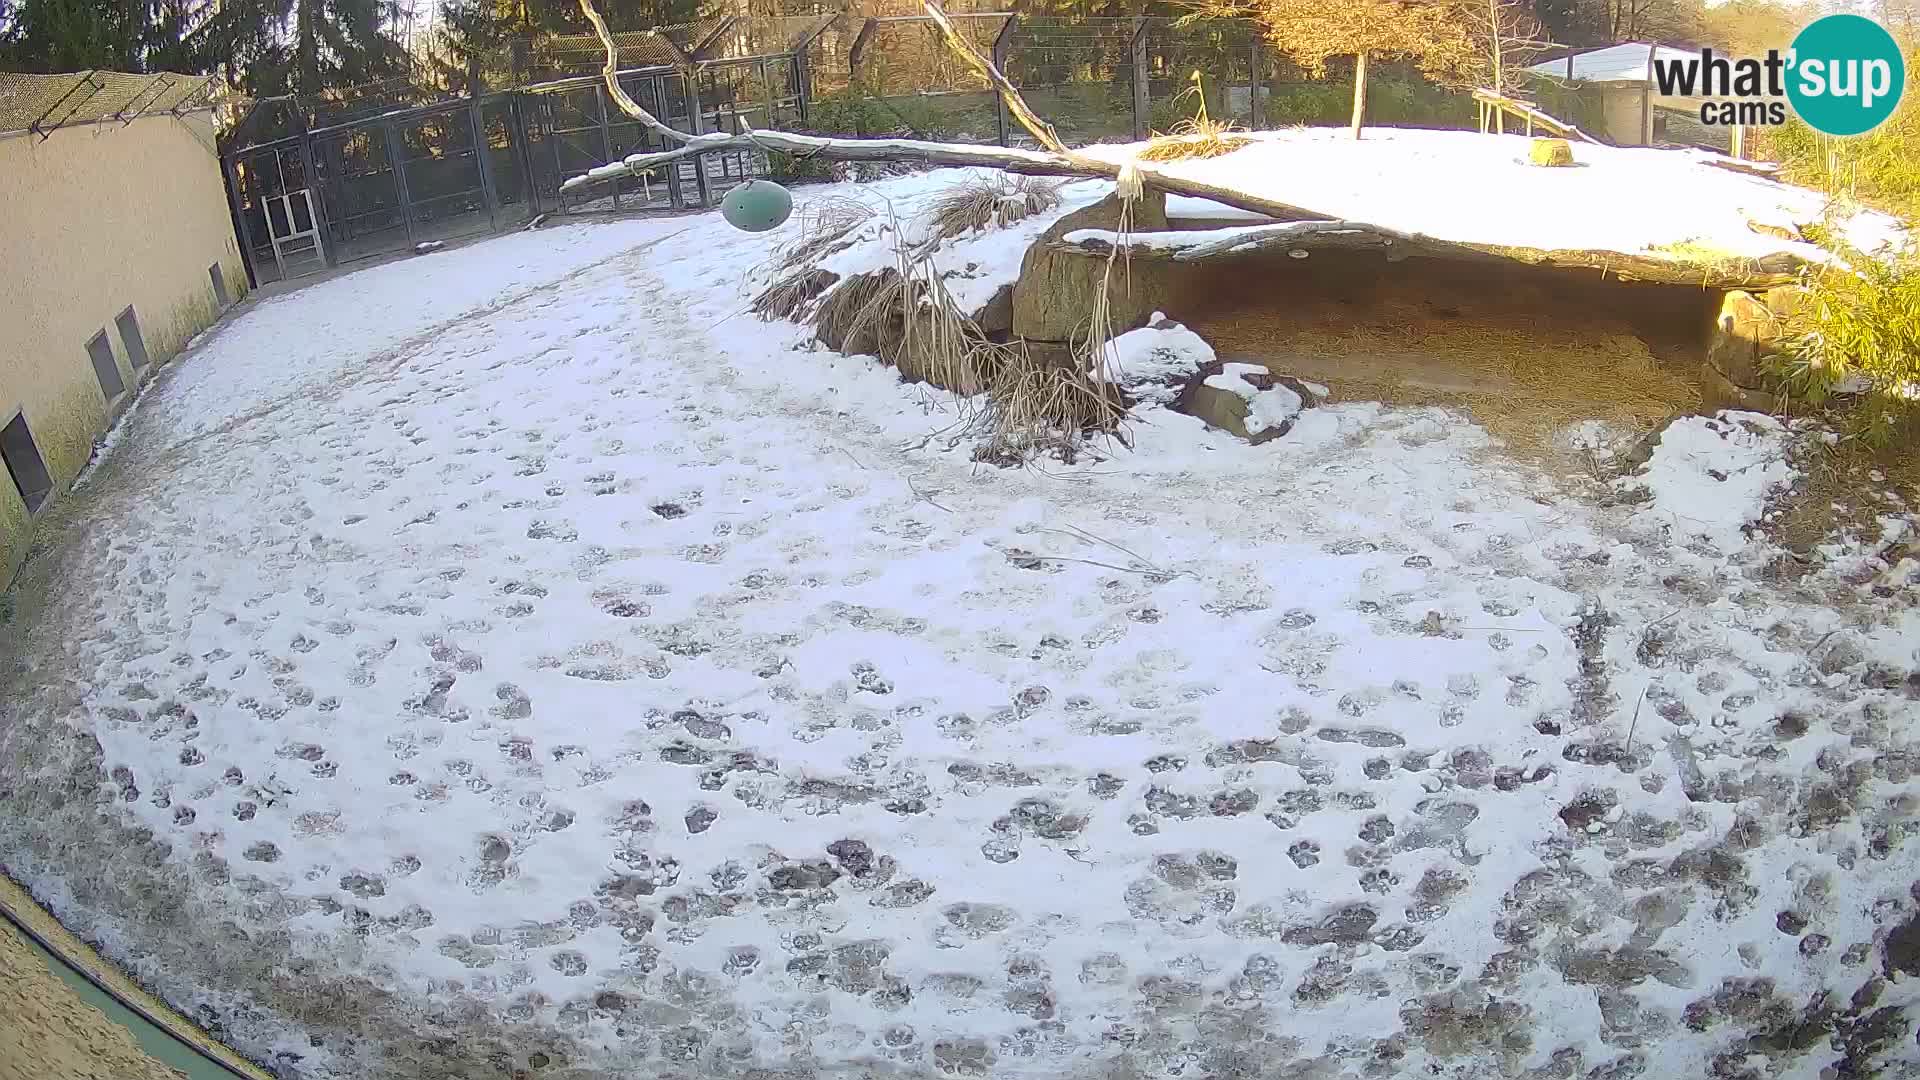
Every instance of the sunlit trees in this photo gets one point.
(1427, 32)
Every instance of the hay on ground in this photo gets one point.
(1526, 384)
(988, 202)
(1190, 141)
(1198, 136)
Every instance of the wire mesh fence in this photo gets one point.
(1094, 78)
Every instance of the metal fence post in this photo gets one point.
(696, 113)
(606, 138)
(482, 151)
(1002, 45)
(237, 207)
(766, 84)
(1142, 106)
(523, 150)
(328, 252)
(397, 154)
(802, 85)
(1256, 113)
(553, 141)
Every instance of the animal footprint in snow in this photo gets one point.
(866, 678)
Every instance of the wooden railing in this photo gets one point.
(1495, 107)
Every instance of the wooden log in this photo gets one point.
(1780, 268)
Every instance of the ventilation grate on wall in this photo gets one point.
(23, 463)
(105, 368)
(136, 345)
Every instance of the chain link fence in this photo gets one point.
(1095, 79)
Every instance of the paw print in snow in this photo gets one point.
(866, 678)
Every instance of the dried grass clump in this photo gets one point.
(1021, 402)
(909, 320)
(1039, 405)
(826, 226)
(848, 319)
(1193, 140)
(988, 202)
(790, 296)
(1197, 137)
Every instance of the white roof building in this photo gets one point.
(1626, 63)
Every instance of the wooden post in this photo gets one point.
(696, 118)
(766, 83)
(1142, 96)
(1646, 101)
(1359, 91)
(553, 143)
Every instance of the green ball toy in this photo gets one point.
(756, 206)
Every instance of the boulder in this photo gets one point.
(1055, 290)
(1744, 332)
(1788, 301)
(1243, 400)
(1155, 364)
(996, 319)
(1717, 393)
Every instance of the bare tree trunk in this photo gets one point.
(306, 47)
(1499, 82)
(1359, 91)
(1493, 35)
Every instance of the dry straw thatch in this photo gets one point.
(1198, 136)
(988, 202)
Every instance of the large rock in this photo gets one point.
(996, 319)
(1717, 393)
(1244, 400)
(1744, 333)
(1054, 295)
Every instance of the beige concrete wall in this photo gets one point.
(92, 219)
(1621, 105)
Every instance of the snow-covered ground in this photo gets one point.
(518, 658)
(1473, 188)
